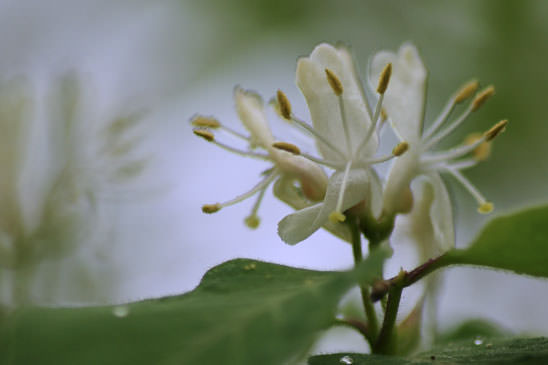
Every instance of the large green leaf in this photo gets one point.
(516, 242)
(521, 351)
(243, 312)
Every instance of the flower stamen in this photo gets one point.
(484, 206)
(288, 147)
(465, 92)
(210, 137)
(337, 216)
(262, 185)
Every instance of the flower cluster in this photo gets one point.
(346, 128)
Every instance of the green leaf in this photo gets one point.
(516, 242)
(243, 312)
(519, 351)
(472, 329)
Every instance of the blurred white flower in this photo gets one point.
(56, 159)
(345, 130)
(404, 103)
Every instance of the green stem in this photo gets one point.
(372, 324)
(386, 342)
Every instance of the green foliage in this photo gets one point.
(472, 328)
(516, 242)
(243, 312)
(500, 351)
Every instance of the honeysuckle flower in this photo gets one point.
(56, 160)
(344, 128)
(287, 166)
(404, 104)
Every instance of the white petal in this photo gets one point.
(404, 98)
(324, 104)
(402, 171)
(375, 193)
(298, 226)
(429, 225)
(250, 109)
(441, 213)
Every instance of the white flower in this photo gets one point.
(404, 103)
(287, 165)
(346, 136)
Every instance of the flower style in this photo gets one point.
(404, 103)
(345, 130)
(287, 165)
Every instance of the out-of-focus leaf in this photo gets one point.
(516, 242)
(472, 329)
(519, 351)
(243, 312)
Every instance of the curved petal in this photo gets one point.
(324, 104)
(375, 193)
(402, 171)
(250, 109)
(441, 213)
(300, 225)
(405, 97)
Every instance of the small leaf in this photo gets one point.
(516, 242)
(243, 312)
(518, 351)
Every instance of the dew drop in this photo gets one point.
(346, 360)
(120, 311)
(478, 341)
(339, 316)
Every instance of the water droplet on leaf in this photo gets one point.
(120, 311)
(478, 341)
(346, 360)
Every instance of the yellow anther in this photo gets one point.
(482, 151)
(252, 221)
(288, 147)
(211, 208)
(337, 217)
(334, 82)
(485, 208)
(496, 130)
(205, 122)
(284, 105)
(480, 99)
(384, 115)
(400, 148)
(466, 91)
(384, 78)
(207, 135)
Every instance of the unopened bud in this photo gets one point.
(466, 91)
(482, 97)
(288, 147)
(496, 130)
(384, 78)
(284, 105)
(207, 135)
(334, 82)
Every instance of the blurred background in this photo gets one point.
(172, 59)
